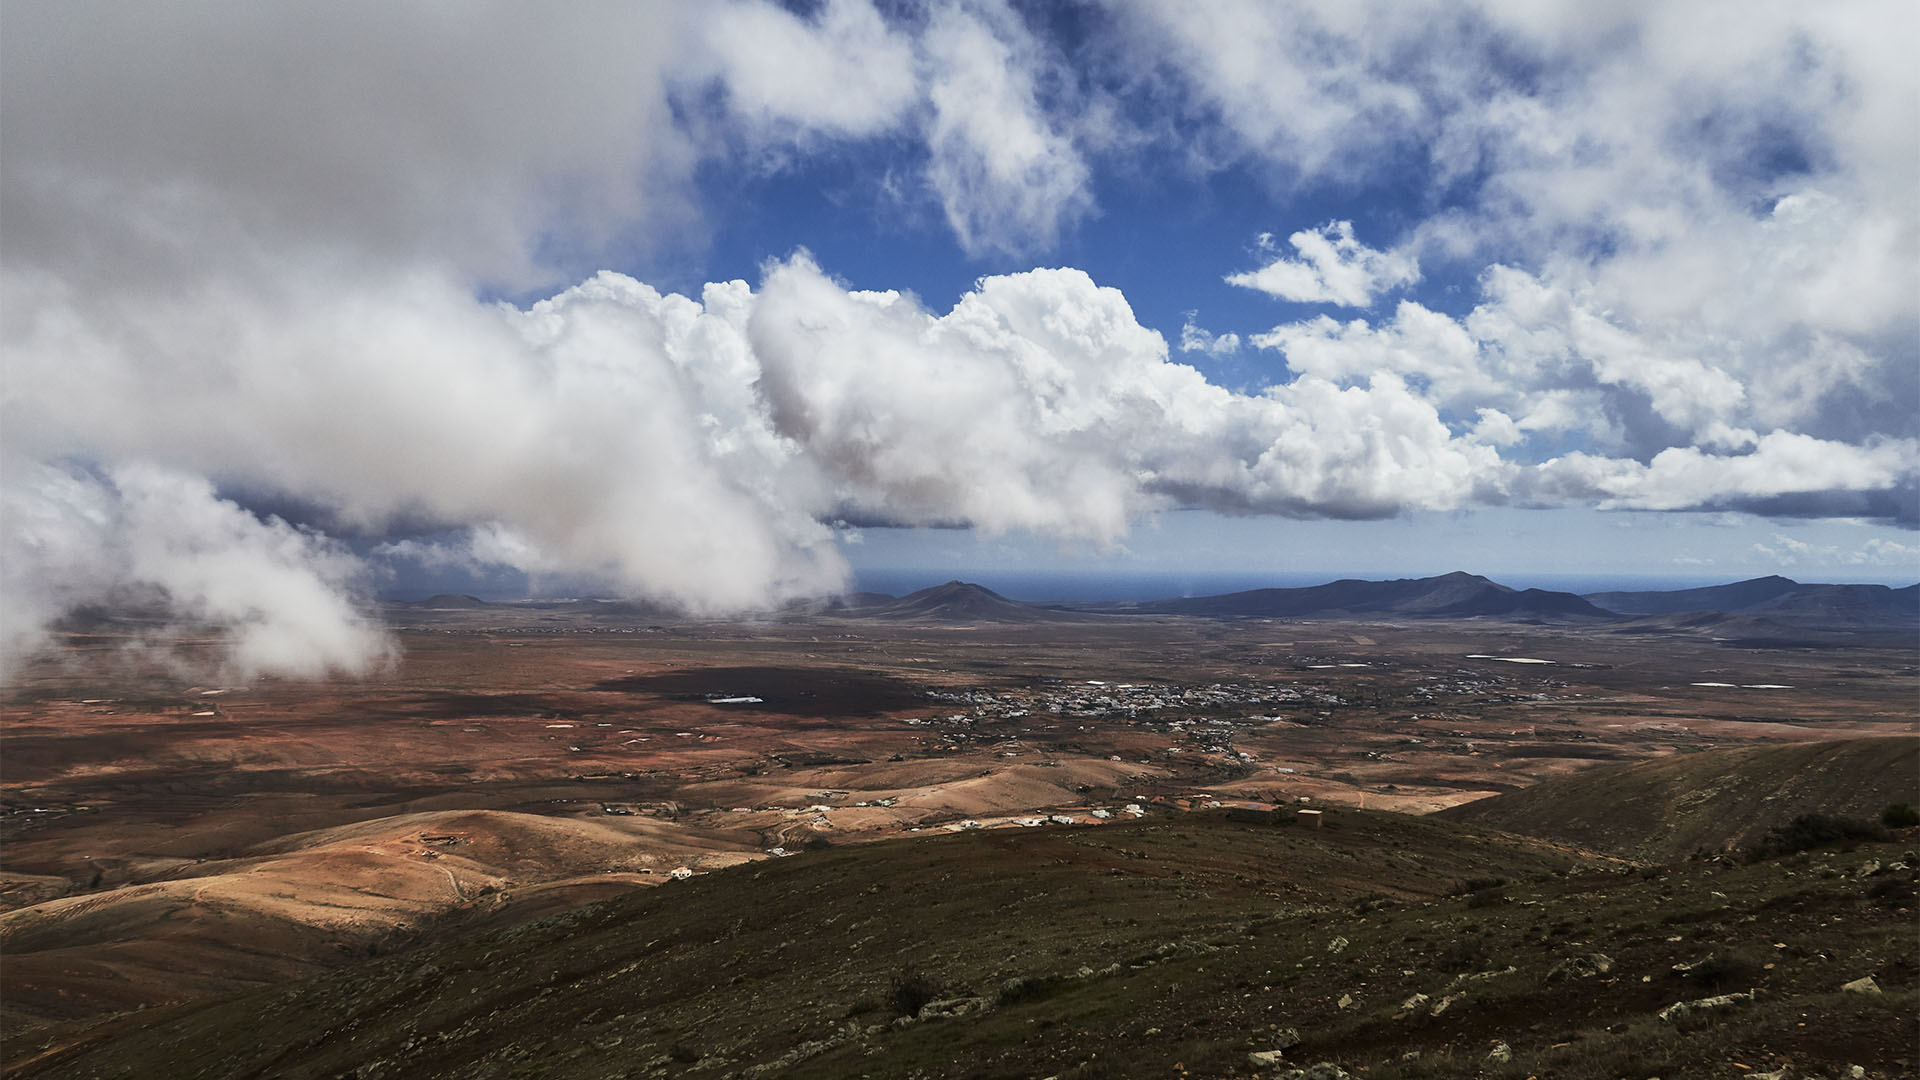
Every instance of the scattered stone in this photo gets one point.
(1338, 944)
(1857, 1072)
(1480, 976)
(1446, 1003)
(1867, 869)
(1500, 1054)
(1325, 1070)
(1777, 1074)
(1584, 966)
(947, 1008)
(1688, 969)
(1414, 1002)
(1680, 1009)
(1345, 1001)
(1286, 1038)
(1264, 1058)
(1861, 985)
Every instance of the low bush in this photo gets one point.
(1466, 954)
(1027, 988)
(910, 992)
(1894, 892)
(1900, 815)
(1810, 831)
(1726, 970)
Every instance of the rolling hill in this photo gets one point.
(1781, 600)
(1714, 800)
(1732, 597)
(1389, 946)
(451, 602)
(300, 903)
(961, 602)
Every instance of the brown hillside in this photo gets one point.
(1716, 800)
(1167, 947)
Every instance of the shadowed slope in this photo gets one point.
(1457, 594)
(1781, 600)
(1670, 807)
(1160, 948)
(311, 900)
(959, 601)
(1731, 597)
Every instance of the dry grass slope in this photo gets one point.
(1714, 801)
(1190, 941)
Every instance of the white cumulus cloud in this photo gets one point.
(1332, 268)
(147, 535)
(249, 251)
(1008, 176)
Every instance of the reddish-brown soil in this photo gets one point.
(166, 841)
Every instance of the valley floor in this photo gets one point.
(169, 844)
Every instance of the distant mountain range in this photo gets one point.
(1454, 595)
(1759, 608)
(1763, 607)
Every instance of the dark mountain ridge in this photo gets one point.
(1781, 600)
(1731, 597)
(1456, 595)
(959, 601)
(450, 601)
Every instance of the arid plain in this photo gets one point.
(170, 841)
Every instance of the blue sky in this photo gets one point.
(725, 304)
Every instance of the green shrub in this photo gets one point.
(1027, 988)
(1900, 815)
(1730, 969)
(1893, 892)
(910, 992)
(1809, 831)
(1465, 954)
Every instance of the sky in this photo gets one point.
(733, 303)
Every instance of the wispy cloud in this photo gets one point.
(1332, 268)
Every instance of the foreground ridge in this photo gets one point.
(1222, 942)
